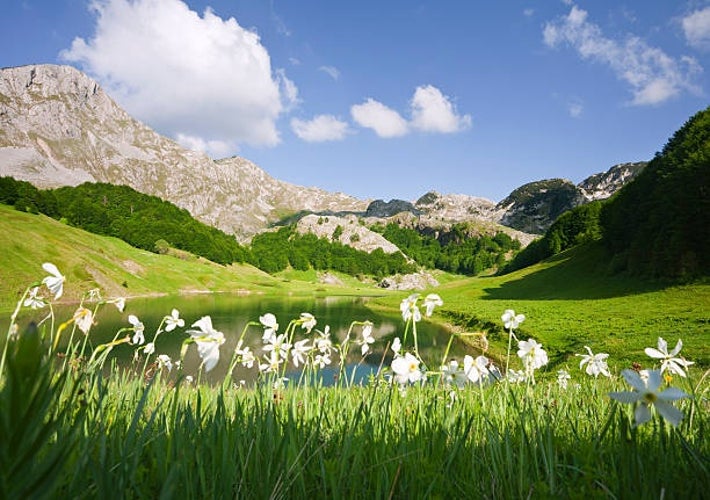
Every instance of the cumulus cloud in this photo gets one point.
(321, 128)
(385, 121)
(696, 27)
(202, 78)
(432, 111)
(331, 71)
(653, 75)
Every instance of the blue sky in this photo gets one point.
(389, 99)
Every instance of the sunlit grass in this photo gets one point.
(73, 427)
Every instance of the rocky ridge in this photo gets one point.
(58, 128)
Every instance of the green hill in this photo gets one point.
(91, 261)
(570, 301)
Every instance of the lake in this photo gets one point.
(231, 313)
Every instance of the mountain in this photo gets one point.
(58, 128)
(533, 207)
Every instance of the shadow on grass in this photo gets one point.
(576, 274)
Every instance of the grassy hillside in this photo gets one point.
(91, 261)
(570, 302)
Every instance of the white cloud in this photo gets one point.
(385, 121)
(216, 149)
(330, 71)
(204, 77)
(696, 27)
(528, 12)
(653, 75)
(322, 128)
(432, 111)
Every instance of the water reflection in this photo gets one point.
(230, 314)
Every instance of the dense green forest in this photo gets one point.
(141, 220)
(579, 225)
(275, 251)
(457, 250)
(659, 224)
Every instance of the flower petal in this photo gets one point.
(669, 412)
(627, 397)
(671, 394)
(642, 414)
(634, 380)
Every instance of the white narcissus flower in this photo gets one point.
(208, 341)
(119, 302)
(308, 321)
(54, 282)
(430, 301)
(670, 362)
(409, 308)
(268, 320)
(452, 375)
(396, 345)
(33, 300)
(532, 354)
(367, 338)
(138, 329)
(165, 361)
(515, 376)
(83, 319)
(322, 360)
(646, 394)
(475, 369)
(300, 352)
(149, 348)
(596, 363)
(406, 369)
(173, 321)
(563, 377)
(510, 320)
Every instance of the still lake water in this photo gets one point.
(231, 313)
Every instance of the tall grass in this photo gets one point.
(71, 427)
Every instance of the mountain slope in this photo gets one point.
(58, 127)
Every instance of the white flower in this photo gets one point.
(300, 352)
(189, 379)
(165, 361)
(247, 357)
(278, 344)
(268, 320)
(646, 393)
(55, 282)
(34, 301)
(208, 341)
(119, 302)
(272, 364)
(406, 369)
(563, 377)
(308, 321)
(475, 369)
(173, 321)
(596, 363)
(323, 342)
(511, 321)
(367, 338)
(409, 308)
(322, 360)
(83, 319)
(532, 354)
(430, 301)
(396, 345)
(149, 348)
(670, 362)
(515, 376)
(452, 374)
(138, 329)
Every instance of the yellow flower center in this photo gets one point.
(650, 397)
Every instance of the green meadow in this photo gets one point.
(73, 425)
